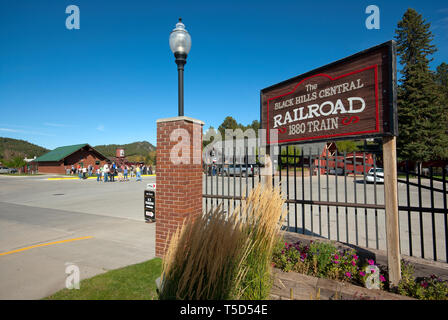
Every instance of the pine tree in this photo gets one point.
(441, 78)
(421, 116)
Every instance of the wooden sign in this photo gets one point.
(352, 98)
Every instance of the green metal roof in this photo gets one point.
(60, 153)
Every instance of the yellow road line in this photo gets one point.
(44, 244)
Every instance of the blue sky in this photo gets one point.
(109, 81)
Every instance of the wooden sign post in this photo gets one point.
(352, 98)
(391, 204)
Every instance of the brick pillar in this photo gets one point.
(178, 175)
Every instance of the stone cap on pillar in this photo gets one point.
(180, 118)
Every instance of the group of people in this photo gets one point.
(81, 171)
(108, 172)
(123, 173)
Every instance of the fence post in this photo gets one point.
(266, 171)
(178, 175)
(391, 204)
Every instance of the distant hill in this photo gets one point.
(136, 151)
(131, 150)
(13, 147)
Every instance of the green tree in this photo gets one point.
(256, 126)
(421, 117)
(209, 136)
(17, 163)
(287, 155)
(441, 78)
(228, 123)
(347, 146)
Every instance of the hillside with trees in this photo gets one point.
(137, 151)
(12, 148)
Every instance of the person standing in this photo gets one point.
(120, 173)
(138, 174)
(105, 172)
(98, 174)
(112, 173)
(125, 173)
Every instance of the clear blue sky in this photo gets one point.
(109, 81)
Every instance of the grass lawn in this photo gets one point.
(135, 282)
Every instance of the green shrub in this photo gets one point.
(321, 259)
(427, 288)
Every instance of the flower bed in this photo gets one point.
(324, 260)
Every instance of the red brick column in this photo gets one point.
(178, 175)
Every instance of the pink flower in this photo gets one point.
(362, 273)
(372, 270)
(353, 263)
(355, 257)
(382, 279)
(371, 262)
(336, 256)
(348, 274)
(336, 262)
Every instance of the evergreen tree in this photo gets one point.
(228, 123)
(421, 116)
(441, 78)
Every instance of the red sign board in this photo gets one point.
(351, 98)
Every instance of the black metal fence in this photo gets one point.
(340, 196)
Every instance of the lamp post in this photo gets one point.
(180, 44)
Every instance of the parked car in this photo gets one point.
(370, 177)
(337, 171)
(7, 170)
(241, 170)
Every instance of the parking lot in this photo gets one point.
(46, 225)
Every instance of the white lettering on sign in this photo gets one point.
(352, 105)
(301, 108)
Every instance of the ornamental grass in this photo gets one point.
(218, 256)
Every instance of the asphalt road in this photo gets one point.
(103, 223)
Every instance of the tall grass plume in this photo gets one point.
(218, 256)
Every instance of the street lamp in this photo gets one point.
(180, 44)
